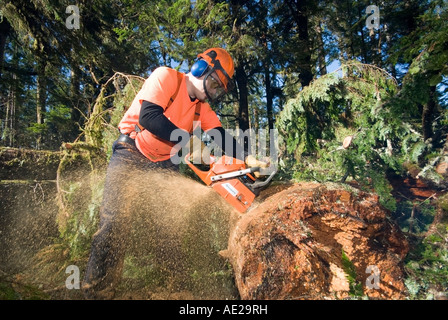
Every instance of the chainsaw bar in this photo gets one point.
(234, 174)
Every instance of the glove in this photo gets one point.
(252, 162)
(199, 153)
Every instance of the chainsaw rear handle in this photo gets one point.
(258, 185)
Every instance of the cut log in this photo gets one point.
(295, 245)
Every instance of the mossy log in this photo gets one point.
(28, 164)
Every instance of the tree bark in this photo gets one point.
(41, 97)
(322, 52)
(74, 97)
(364, 54)
(243, 110)
(243, 92)
(269, 99)
(300, 14)
(428, 114)
(4, 32)
(11, 111)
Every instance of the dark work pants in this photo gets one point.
(105, 263)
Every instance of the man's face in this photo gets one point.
(200, 93)
(213, 87)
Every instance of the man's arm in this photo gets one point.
(152, 119)
(227, 143)
(232, 148)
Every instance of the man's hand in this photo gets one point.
(252, 162)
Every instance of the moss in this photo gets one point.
(426, 268)
(28, 164)
(442, 203)
(141, 272)
(7, 292)
(13, 290)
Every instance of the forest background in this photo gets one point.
(320, 72)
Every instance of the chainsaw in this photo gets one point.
(233, 180)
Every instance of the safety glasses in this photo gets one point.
(213, 87)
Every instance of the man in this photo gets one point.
(154, 128)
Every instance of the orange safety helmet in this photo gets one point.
(220, 62)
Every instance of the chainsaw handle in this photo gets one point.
(258, 185)
(254, 169)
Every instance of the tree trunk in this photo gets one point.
(276, 249)
(300, 14)
(428, 114)
(74, 98)
(41, 98)
(269, 99)
(365, 57)
(4, 32)
(256, 125)
(243, 110)
(11, 122)
(28, 164)
(322, 53)
(8, 134)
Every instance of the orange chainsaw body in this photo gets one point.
(233, 190)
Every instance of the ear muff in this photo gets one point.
(199, 68)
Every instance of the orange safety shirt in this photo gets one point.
(159, 88)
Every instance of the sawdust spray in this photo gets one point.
(173, 229)
(27, 223)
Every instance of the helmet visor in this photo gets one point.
(214, 89)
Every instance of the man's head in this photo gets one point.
(215, 67)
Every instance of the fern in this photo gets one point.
(362, 104)
(350, 272)
(417, 150)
